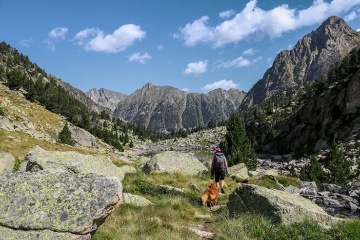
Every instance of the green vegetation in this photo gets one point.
(2, 112)
(338, 169)
(236, 146)
(173, 212)
(65, 136)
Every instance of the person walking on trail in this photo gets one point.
(219, 168)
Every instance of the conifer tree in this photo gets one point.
(236, 146)
(313, 171)
(65, 136)
(339, 166)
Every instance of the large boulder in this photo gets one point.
(83, 137)
(172, 162)
(6, 163)
(49, 205)
(73, 162)
(277, 205)
(239, 172)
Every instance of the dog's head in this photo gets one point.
(212, 186)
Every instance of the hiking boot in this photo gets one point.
(222, 190)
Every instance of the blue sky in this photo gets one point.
(193, 45)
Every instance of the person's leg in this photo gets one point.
(217, 179)
(222, 177)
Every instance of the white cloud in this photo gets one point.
(257, 59)
(351, 16)
(249, 51)
(238, 62)
(137, 57)
(26, 42)
(185, 89)
(224, 84)
(196, 67)
(227, 14)
(55, 35)
(358, 30)
(160, 47)
(254, 21)
(195, 32)
(94, 39)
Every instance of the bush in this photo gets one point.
(2, 112)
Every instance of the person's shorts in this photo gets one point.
(219, 176)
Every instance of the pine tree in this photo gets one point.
(236, 146)
(313, 171)
(339, 166)
(65, 136)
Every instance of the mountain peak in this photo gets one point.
(312, 56)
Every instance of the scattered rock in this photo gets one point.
(6, 163)
(135, 200)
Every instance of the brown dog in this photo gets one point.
(210, 195)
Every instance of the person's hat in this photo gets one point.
(217, 149)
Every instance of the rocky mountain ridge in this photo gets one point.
(105, 97)
(165, 108)
(312, 56)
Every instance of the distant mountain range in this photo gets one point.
(166, 109)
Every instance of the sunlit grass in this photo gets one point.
(173, 212)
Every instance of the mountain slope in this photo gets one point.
(312, 56)
(327, 110)
(167, 109)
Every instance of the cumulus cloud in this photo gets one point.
(25, 42)
(195, 32)
(55, 35)
(254, 21)
(227, 14)
(140, 58)
(160, 47)
(224, 84)
(238, 62)
(94, 39)
(196, 67)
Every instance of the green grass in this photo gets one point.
(173, 212)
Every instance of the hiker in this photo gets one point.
(219, 168)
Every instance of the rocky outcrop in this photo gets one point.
(71, 162)
(6, 163)
(312, 55)
(105, 98)
(167, 109)
(48, 205)
(277, 205)
(5, 124)
(174, 162)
